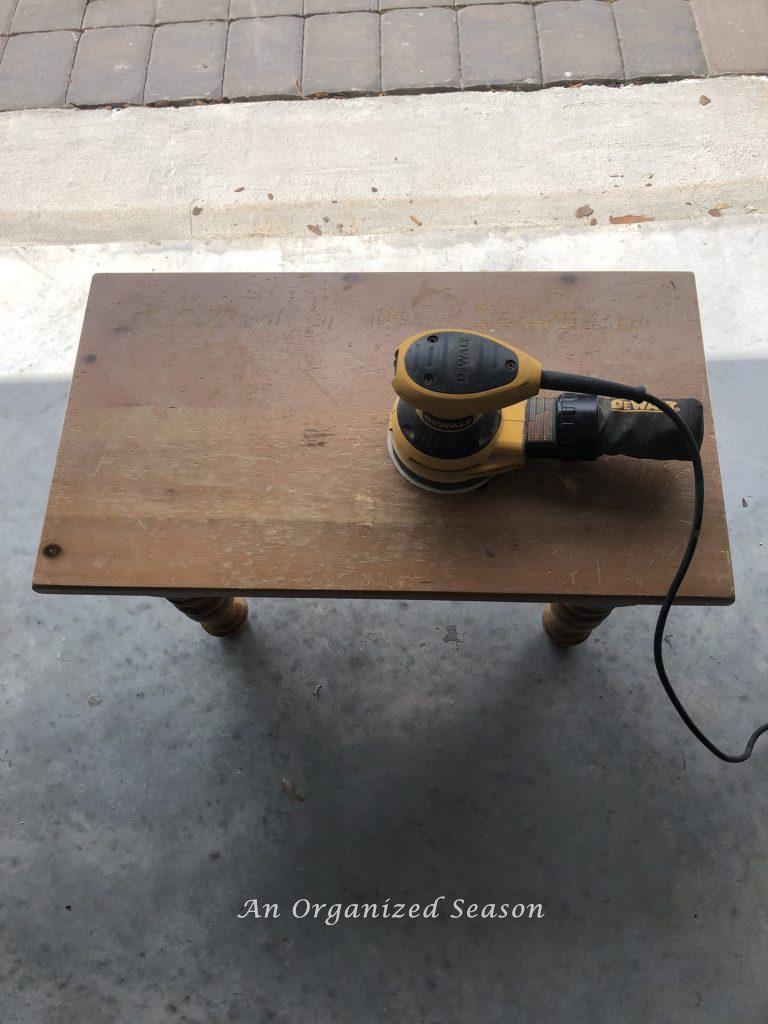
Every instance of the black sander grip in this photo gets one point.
(584, 427)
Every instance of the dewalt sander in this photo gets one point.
(469, 408)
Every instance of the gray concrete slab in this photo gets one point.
(394, 5)
(338, 6)
(110, 66)
(262, 8)
(191, 10)
(341, 55)
(264, 58)
(441, 748)
(734, 35)
(470, 3)
(578, 42)
(47, 15)
(658, 40)
(620, 151)
(419, 50)
(7, 7)
(498, 46)
(186, 62)
(115, 13)
(35, 69)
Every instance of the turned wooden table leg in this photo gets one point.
(568, 624)
(219, 616)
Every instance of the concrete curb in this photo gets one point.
(386, 165)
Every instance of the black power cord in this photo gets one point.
(593, 386)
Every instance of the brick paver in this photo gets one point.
(47, 15)
(339, 6)
(497, 46)
(115, 13)
(419, 50)
(734, 34)
(191, 10)
(264, 8)
(658, 39)
(110, 66)
(396, 5)
(264, 59)
(209, 50)
(341, 55)
(7, 8)
(578, 42)
(34, 71)
(187, 62)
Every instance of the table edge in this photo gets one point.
(614, 600)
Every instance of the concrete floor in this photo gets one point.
(353, 167)
(450, 750)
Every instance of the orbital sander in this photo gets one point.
(469, 408)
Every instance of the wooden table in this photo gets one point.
(225, 436)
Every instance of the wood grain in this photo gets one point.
(226, 433)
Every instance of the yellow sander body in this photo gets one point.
(469, 408)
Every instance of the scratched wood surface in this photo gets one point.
(226, 432)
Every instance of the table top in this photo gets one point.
(227, 433)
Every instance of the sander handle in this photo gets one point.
(584, 427)
(553, 380)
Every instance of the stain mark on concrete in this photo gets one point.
(631, 218)
(289, 788)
